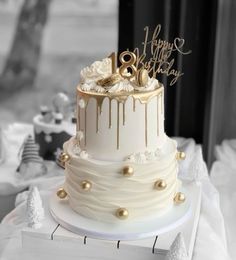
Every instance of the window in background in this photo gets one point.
(76, 32)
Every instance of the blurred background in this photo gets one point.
(43, 46)
(45, 43)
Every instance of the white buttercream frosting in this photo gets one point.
(151, 85)
(98, 70)
(124, 85)
(99, 89)
(79, 135)
(111, 190)
(76, 149)
(144, 157)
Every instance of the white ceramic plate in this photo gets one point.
(78, 224)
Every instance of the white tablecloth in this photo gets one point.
(223, 176)
(210, 241)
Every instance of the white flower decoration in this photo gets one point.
(79, 135)
(83, 154)
(76, 149)
(158, 153)
(98, 70)
(124, 85)
(151, 156)
(147, 156)
(86, 87)
(131, 158)
(141, 158)
(99, 89)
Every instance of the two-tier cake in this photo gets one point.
(120, 165)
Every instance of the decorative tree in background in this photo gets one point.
(34, 209)
(178, 249)
(21, 66)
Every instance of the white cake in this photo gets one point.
(120, 165)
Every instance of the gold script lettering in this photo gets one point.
(160, 50)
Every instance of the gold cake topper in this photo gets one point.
(160, 62)
(161, 52)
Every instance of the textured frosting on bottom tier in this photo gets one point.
(111, 190)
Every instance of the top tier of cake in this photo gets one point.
(122, 120)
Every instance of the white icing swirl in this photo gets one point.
(76, 149)
(99, 89)
(98, 70)
(88, 86)
(83, 155)
(151, 85)
(124, 85)
(147, 156)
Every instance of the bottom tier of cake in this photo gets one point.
(143, 186)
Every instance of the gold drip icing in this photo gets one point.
(118, 126)
(146, 139)
(143, 97)
(134, 103)
(121, 97)
(97, 119)
(110, 113)
(158, 131)
(78, 116)
(85, 126)
(123, 113)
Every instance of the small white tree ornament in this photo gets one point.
(35, 211)
(177, 250)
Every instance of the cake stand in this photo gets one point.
(122, 230)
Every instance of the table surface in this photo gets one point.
(211, 237)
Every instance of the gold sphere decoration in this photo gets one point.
(61, 193)
(179, 198)
(128, 171)
(86, 185)
(180, 156)
(122, 213)
(64, 157)
(160, 185)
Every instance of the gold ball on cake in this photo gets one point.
(142, 77)
(128, 171)
(160, 185)
(64, 157)
(86, 185)
(179, 198)
(122, 213)
(61, 193)
(180, 156)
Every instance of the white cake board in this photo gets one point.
(122, 229)
(54, 241)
